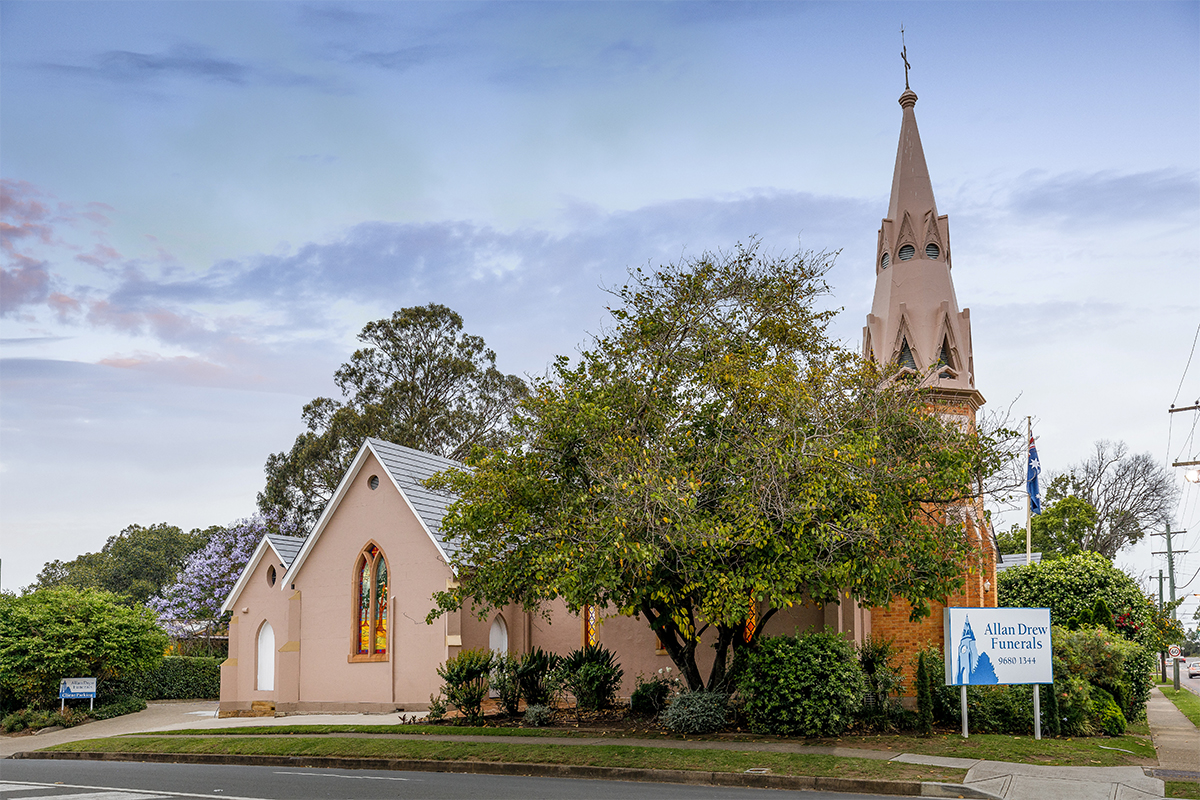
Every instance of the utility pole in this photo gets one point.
(1170, 554)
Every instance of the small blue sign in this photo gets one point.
(77, 688)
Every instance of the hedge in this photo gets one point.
(176, 678)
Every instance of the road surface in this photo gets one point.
(98, 780)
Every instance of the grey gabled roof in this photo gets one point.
(409, 467)
(286, 547)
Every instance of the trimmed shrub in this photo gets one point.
(466, 677)
(505, 682)
(175, 678)
(118, 707)
(592, 675)
(537, 716)
(533, 675)
(809, 685)
(1107, 714)
(697, 712)
(924, 697)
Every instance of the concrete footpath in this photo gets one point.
(985, 779)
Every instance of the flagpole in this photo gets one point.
(1037, 695)
(1028, 500)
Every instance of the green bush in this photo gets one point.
(650, 696)
(924, 697)
(947, 708)
(538, 716)
(533, 675)
(175, 678)
(592, 675)
(65, 632)
(1107, 714)
(1072, 588)
(1106, 660)
(810, 685)
(504, 680)
(466, 677)
(1051, 716)
(697, 712)
(437, 707)
(883, 679)
(118, 707)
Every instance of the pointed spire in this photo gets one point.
(912, 191)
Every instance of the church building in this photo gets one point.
(336, 622)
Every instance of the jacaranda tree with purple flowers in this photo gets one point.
(192, 604)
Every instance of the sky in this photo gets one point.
(203, 203)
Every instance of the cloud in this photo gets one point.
(187, 62)
(23, 285)
(1107, 197)
(400, 60)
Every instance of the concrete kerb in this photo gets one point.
(690, 777)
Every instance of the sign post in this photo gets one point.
(77, 689)
(993, 646)
(1174, 652)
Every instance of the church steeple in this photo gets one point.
(915, 322)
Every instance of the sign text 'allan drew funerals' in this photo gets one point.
(997, 645)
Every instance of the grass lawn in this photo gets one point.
(1185, 701)
(1183, 789)
(1096, 751)
(526, 752)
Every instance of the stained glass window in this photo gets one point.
(381, 605)
(371, 609)
(591, 625)
(364, 606)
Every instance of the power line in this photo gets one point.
(1188, 364)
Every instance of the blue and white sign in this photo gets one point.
(997, 645)
(77, 688)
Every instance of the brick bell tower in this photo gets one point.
(915, 324)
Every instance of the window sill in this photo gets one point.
(360, 659)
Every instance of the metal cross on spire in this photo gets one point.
(904, 55)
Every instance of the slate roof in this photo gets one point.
(1015, 560)
(408, 468)
(286, 547)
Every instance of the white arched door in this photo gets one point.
(266, 658)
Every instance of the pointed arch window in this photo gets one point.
(907, 359)
(370, 640)
(944, 358)
(591, 626)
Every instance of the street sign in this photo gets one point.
(77, 688)
(997, 646)
(1174, 652)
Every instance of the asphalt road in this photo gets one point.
(1191, 684)
(96, 780)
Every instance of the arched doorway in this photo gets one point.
(266, 658)
(497, 643)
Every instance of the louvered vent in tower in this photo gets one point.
(906, 356)
(944, 355)
(932, 251)
(907, 252)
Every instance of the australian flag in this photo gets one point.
(1031, 479)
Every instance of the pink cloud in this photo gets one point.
(64, 306)
(21, 285)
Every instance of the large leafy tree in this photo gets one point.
(419, 381)
(715, 457)
(136, 563)
(65, 632)
(1061, 530)
(1130, 493)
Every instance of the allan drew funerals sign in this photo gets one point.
(997, 645)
